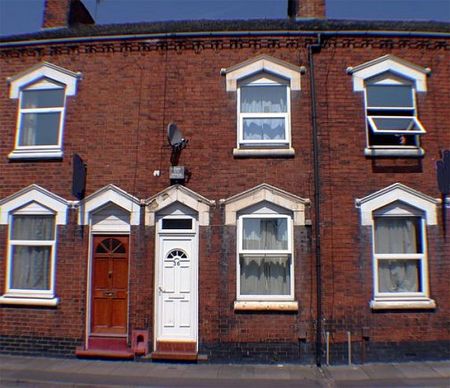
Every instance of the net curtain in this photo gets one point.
(31, 263)
(263, 274)
(398, 235)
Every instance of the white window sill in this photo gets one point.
(30, 301)
(384, 304)
(395, 152)
(36, 154)
(265, 306)
(263, 152)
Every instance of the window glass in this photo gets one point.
(265, 275)
(395, 124)
(39, 129)
(399, 276)
(177, 223)
(42, 98)
(30, 267)
(263, 99)
(32, 241)
(265, 234)
(395, 96)
(398, 235)
(33, 228)
(264, 129)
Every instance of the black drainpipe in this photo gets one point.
(315, 48)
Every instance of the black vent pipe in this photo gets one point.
(315, 48)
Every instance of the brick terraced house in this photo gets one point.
(295, 215)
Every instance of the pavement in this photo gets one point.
(19, 371)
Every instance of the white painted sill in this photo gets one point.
(412, 304)
(263, 152)
(395, 152)
(265, 306)
(21, 301)
(36, 154)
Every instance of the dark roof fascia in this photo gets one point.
(217, 28)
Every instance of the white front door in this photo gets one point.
(176, 288)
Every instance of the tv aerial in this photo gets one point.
(175, 137)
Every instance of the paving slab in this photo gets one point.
(201, 371)
(236, 371)
(345, 373)
(272, 372)
(416, 370)
(304, 372)
(441, 367)
(381, 371)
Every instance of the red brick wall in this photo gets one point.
(56, 13)
(346, 175)
(307, 8)
(117, 123)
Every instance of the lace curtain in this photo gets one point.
(263, 99)
(31, 263)
(398, 235)
(265, 274)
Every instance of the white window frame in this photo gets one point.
(263, 66)
(162, 230)
(32, 200)
(398, 200)
(391, 70)
(263, 80)
(422, 257)
(288, 252)
(43, 76)
(20, 293)
(55, 150)
(371, 126)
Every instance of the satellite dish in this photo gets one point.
(175, 137)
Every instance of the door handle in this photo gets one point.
(108, 294)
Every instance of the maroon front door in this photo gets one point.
(110, 285)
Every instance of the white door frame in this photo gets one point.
(173, 234)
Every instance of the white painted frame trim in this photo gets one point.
(265, 192)
(286, 252)
(34, 193)
(67, 80)
(286, 142)
(33, 200)
(161, 233)
(401, 193)
(428, 207)
(44, 70)
(389, 63)
(182, 194)
(262, 63)
(104, 196)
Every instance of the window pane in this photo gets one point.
(265, 234)
(394, 96)
(39, 129)
(30, 267)
(33, 228)
(263, 99)
(177, 223)
(377, 139)
(264, 129)
(399, 276)
(395, 124)
(265, 275)
(398, 235)
(42, 98)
